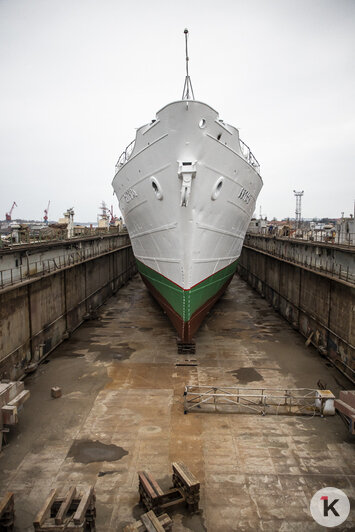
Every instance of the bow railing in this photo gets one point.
(248, 155)
(124, 157)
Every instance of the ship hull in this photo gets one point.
(186, 309)
(187, 193)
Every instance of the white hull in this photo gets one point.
(219, 183)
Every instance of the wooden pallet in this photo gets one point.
(7, 512)
(150, 493)
(151, 523)
(73, 512)
(12, 397)
(188, 483)
(186, 488)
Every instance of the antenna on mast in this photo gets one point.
(188, 85)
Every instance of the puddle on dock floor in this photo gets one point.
(87, 451)
(122, 411)
(246, 375)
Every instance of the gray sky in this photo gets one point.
(78, 76)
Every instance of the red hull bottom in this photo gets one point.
(186, 329)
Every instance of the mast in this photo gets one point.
(188, 92)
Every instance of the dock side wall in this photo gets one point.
(319, 306)
(38, 314)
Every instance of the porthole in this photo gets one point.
(157, 188)
(217, 187)
(202, 123)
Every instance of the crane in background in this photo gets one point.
(106, 212)
(45, 217)
(8, 214)
(113, 218)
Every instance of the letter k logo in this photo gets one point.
(327, 507)
(330, 507)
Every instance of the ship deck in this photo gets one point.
(122, 411)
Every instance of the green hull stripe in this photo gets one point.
(186, 302)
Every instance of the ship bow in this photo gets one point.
(186, 308)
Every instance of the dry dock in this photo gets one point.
(122, 411)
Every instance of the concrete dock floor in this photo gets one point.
(122, 411)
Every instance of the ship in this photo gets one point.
(187, 188)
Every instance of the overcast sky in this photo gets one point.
(78, 76)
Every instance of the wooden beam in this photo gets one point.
(151, 522)
(6, 501)
(64, 507)
(83, 505)
(44, 511)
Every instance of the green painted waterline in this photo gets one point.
(186, 302)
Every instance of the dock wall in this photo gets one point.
(316, 300)
(37, 314)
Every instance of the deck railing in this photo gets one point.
(246, 152)
(248, 155)
(125, 155)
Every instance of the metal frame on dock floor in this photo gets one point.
(230, 399)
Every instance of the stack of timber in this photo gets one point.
(151, 523)
(12, 397)
(74, 512)
(186, 488)
(345, 405)
(7, 512)
(185, 481)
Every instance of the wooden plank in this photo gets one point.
(40, 517)
(6, 501)
(9, 415)
(145, 484)
(348, 396)
(165, 520)
(20, 398)
(185, 474)
(5, 392)
(151, 522)
(155, 521)
(18, 388)
(155, 485)
(83, 506)
(9, 390)
(150, 485)
(64, 507)
(174, 502)
(3, 387)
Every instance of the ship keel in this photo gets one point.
(187, 324)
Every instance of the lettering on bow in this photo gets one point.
(129, 195)
(244, 195)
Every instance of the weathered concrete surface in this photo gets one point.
(122, 410)
(36, 315)
(23, 260)
(335, 259)
(319, 305)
